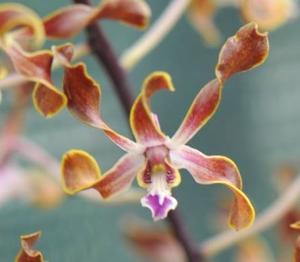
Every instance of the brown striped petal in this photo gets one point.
(36, 67)
(247, 49)
(84, 98)
(143, 123)
(80, 171)
(120, 177)
(217, 170)
(202, 109)
(69, 21)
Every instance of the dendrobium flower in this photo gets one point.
(27, 252)
(22, 31)
(268, 14)
(156, 158)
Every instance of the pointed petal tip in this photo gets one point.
(242, 214)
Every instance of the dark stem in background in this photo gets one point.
(105, 55)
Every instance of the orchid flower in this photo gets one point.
(155, 158)
(27, 252)
(22, 30)
(268, 14)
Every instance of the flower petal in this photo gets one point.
(14, 15)
(27, 252)
(48, 101)
(269, 15)
(202, 109)
(120, 177)
(247, 49)
(43, 190)
(143, 122)
(201, 14)
(79, 171)
(36, 67)
(84, 97)
(69, 21)
(217, 170)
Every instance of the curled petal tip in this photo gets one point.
(217, 170)
(79, 171)
(27, 252)
(144, 127)
(247, 49)
(242, 215)
(159, 205)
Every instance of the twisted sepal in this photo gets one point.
(27, 252)
(247, 49)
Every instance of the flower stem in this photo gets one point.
(183, 237)
(105, 55)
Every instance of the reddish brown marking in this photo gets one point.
(247, 49)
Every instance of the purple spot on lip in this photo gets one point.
(159, 210)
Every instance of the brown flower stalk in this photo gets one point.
(102, 50)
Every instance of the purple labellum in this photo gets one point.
(160, 205)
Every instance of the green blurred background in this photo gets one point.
(257, 125)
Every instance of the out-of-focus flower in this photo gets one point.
(27, 252)
(21, 25)
(157, 243)
(287, 236)
(201, 14)
(268, 14)
(253, 250)
(33, 185)
(151, 242)
(28, 185)
(155, 158)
